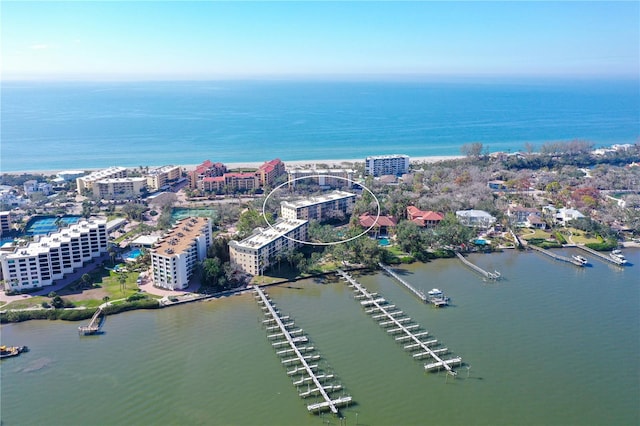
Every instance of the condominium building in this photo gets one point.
(119, 187)
(157, 178)
(229, 182)
(85, 183)
(205, 170)
(175, 256)
(387, 165)
(326, 178)
(336, 204)
(5, 222)
(269, 172)
(257, 252)
(33, 186)
(52, 257)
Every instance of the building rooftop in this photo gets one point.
(55, 239)
(104, 173)
(163, 169)
(385, 157)
(181, 236)
(123, 180)
(263, 236)
(310, 201)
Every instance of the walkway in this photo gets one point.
(419, 294)
(600, 255)
(489, 275)
(556, 256)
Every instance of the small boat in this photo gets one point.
(9, 351)
(437, 298)
(617, 255)
(582, 260)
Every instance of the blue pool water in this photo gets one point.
(133, 254)
(383, 241)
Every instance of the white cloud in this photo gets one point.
(40, 46)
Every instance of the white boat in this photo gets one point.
(582, 260)
(617, 255)
(435, 293)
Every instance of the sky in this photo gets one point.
(151, 40)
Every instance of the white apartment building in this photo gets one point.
(255, 253)
(52, 257)
(33, 186)
(175, 256)
(157, 178)
(326, 178)
(86, 182)
(386, 165)
(119, 187)
(327, 206)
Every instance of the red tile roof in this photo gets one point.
(367, 220)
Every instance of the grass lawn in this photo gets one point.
(528, 234)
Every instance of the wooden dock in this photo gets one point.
(97, 320)
(388, 315)
(419, 294)
(555, 256)
(488, 275)
(601, 256)
(302, 356)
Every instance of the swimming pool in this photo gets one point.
(383, 241)
(133, 254)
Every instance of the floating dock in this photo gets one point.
(97, 320)
(301, 356)
(396, 323)
(488, 275)
(601, 256)
(556, 256)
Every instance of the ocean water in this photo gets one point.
(55, 126)
(550, 344)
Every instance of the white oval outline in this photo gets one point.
(264, 215)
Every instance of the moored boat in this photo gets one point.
(582, 260)
(437, 297)
(617, 255)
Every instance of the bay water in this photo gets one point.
(548, 344)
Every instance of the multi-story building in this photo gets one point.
(475, 218)
(204, 170)
(119, 187)
(336, 204)
(5, 222)
(157, 178)
(257, 252)
(387, 165)
(212, 184)
(33, 186)
(269, 172)
(175, 256)
(229, 182)
(85, 183)
(52, 257)
(326, 178)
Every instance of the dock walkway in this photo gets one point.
(419, 294)
(489, 275)
(394, 322)
(94, 325)
(600, 255)
(301, 357)
(555, 256)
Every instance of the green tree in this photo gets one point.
(86, 280)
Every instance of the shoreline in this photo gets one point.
(333, 163)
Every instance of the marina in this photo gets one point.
(309, 372)
(495, 275)
(404, 325)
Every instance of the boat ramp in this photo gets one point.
(403, 328)
(614, 260)
(495, 275)
(293, 347)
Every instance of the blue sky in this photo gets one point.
(199, 40)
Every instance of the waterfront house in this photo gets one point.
(383, 226)
(475, 218)
(428, 219)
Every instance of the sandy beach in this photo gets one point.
(254, 165)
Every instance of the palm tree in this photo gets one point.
(122, 279)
